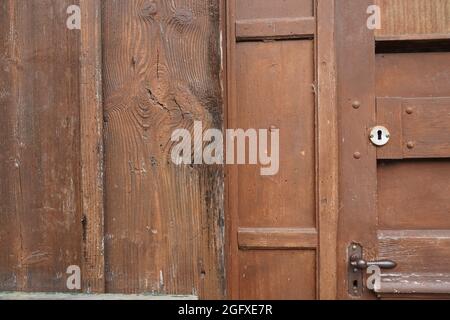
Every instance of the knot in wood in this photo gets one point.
(183, 16)
(149, 9)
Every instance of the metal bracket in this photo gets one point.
(355, 275)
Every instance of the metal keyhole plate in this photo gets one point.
(379, 136)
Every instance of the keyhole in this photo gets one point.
(380, 135)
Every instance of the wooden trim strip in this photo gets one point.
(42, 296)
(232, 191)
(91, 119)
(414, 37)
(275, 28)
(327, 149)
(277, 238)
(418, 283)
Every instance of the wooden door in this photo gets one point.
(395, 202)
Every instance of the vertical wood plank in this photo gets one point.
(164, 223)
(40, 209)
(328, 156)
(357, 158)
(91, 118)
(232, 181)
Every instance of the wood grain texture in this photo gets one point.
(164, 223)
(414, 19)
(327, 149)
(91, 144)
(40, 208)
(416, 251)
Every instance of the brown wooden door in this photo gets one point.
(395, 200)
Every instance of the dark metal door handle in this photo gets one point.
(362, 264)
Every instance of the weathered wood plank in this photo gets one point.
(416, 251)
(91, 119)
(91, 297)
(327, 149)
(414, 19)
(415, 283)
(164, 223)
(40, 209)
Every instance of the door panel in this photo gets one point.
(413, 203)
(274, 231)
(274, 89)
(394, 197)
(276, 274)
(414, 194)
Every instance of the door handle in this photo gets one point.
(361, 264)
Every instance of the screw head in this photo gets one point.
(357, 155)
(410, 145)
(409, 110)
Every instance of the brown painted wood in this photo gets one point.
(412, 194)
(272, 84)
(356, 87)
(277, 238)
(290, 28)
(281, 274)
(426, 126)
(257, 9)
(327, 149)
(232, 191)
(397, 75)
(395, 207)
(164, 223)
(40, 199)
